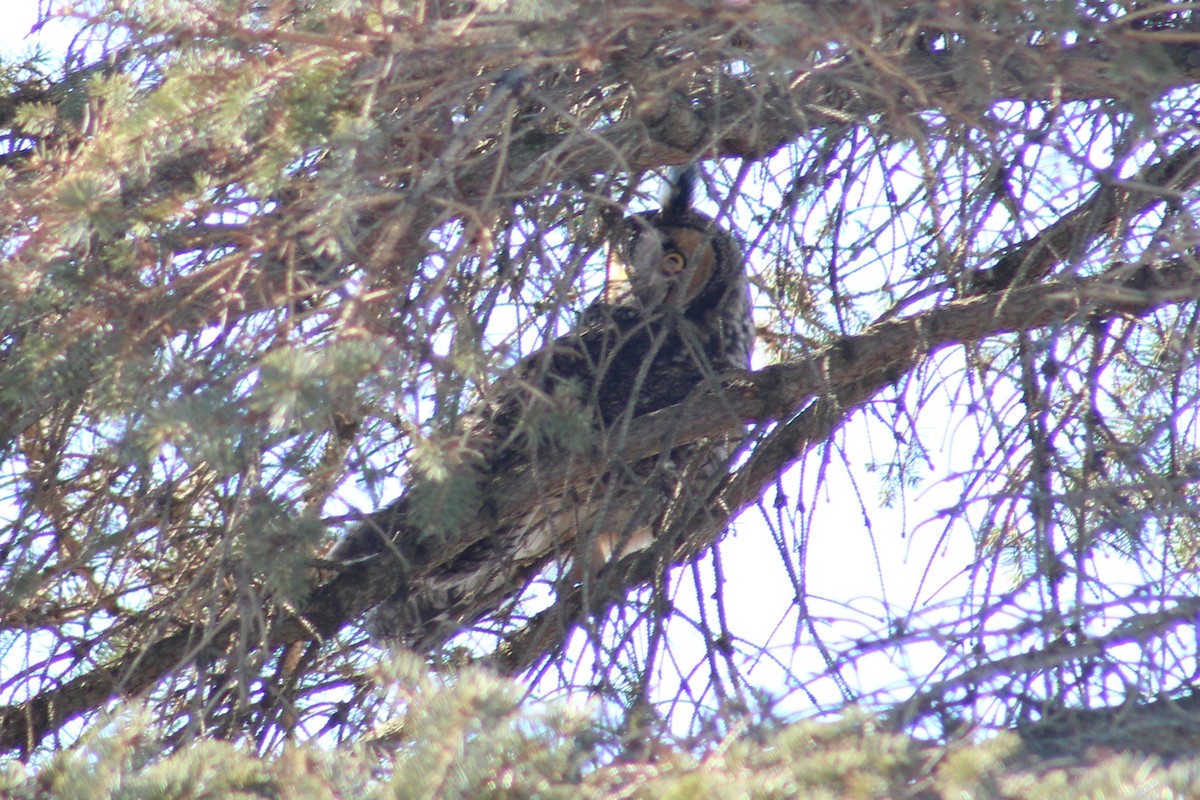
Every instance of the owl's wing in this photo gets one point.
(543, 407)
(546, 404)
(563, 401)
(554, 399)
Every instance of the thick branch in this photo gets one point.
(830, 386)
(748, 120)
(810, 396)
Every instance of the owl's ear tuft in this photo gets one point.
(679, 197)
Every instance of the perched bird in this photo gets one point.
(681, 317)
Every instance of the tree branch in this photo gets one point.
(811, 397)
(808, 398)
(814, 396)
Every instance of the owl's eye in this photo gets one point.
(674, 262)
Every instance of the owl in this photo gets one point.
(681, 317)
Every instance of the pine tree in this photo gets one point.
(259, 261)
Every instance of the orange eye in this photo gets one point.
(673, 263)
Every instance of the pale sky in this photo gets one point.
(18, 21)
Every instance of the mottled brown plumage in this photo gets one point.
(682, 318)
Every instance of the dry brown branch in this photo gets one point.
(843, 376)
(400, 209)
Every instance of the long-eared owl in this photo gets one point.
(681, 317)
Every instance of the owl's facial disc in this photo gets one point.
(688, 260)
